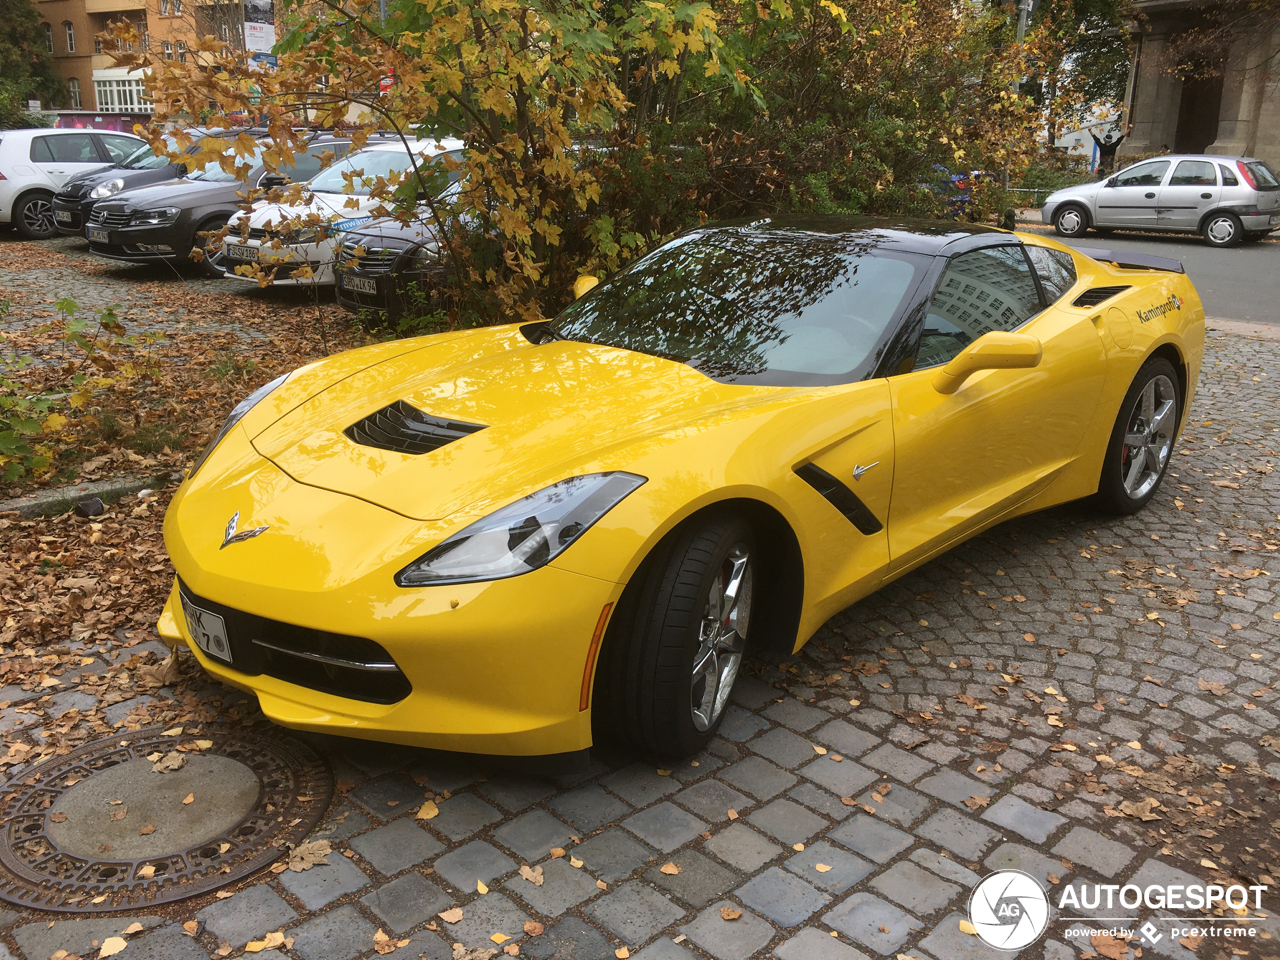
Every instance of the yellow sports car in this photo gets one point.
(514, 539)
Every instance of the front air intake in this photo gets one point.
(1097, 295)
(405, 429)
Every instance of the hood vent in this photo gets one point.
(405, 429)
(1097, 295)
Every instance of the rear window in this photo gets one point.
(1056, 269)
(1228, 176)
(1262, 175)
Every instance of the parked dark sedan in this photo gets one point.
(75, 201)
(388, 267)
(163, 222)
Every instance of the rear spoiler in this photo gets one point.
(1133, 261)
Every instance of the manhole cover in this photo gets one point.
(99, 829)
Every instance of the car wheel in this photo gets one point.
(1070, 221)
(676, 642)
(1142, 439)
(1223, 230)
(210, 266)
(34, 217)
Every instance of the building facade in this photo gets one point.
(1233, 109)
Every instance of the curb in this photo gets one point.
(1243, 328)
(50, 503)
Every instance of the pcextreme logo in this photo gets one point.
(1160, 309)
(1009, 909)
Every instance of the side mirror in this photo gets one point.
(996, 350)
(1111, 182)
(270, 180)
(584, 285)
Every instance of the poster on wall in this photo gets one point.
(260, 32)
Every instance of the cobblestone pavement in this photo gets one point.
(1015, 703)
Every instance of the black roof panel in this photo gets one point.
(913, 236)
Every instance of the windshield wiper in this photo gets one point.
(541, 332)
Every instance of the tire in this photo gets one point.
(1222, 229)
(33, 216)
(1070, 220)
(1133, 471)
(208, 266)
(1254, 237)
(671, 655)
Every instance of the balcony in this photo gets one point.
(113, 6)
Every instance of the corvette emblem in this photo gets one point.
(859, 469)
(231, 536)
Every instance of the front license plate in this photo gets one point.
(62, 216)
(238, 251)
(359, 284)
(208, 630)
(98, 235)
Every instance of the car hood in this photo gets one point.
(390, 230)
(545, 413)
(177, 193)
(1081, 191)
(328, 206)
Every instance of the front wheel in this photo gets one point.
(676, 642)
(1223, 230)
(1142, 440)
(1070, 221)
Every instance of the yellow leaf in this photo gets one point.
(967, 927)
(664, 773)
(1209, 863)
(480, 887)
(557, 853)
(54, 423)
(622, 953)
(111, 946)
(499, 938)
(173, 732)
(671, 869)
(574, 861)
(429, 811)
(147, 872)
(451, 916)
(728, 913)
(798, 847)
(820, 751)
(823, 868)
(133, 928)
(189, 798)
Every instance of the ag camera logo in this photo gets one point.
(1008, 910)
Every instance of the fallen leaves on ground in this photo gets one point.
(170, 762)
(307, 855)
(671, 869)
(111, 946)
(269, 942)
(533, 928)
(728, 913)
(532, 874)
(1111, 947)
(428, 811)
(453, 915)
(383, 944)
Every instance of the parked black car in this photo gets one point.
(73, 203)
(394, 273)
(162, 222)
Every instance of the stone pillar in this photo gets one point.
(1156, 97)
(1243, 81)
(1265, 143)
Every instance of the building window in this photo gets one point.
(168, 50)
(97, 45)
(48, 36)
(182, 52)
(177, 8)
(71, 36)
(121, 96)
(164, 8)
(74, 84)
(224, 32)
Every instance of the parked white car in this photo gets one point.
(1224, 199)
(327, 198)
(35, 163)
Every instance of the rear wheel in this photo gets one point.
(1070, 221)
(1142, 439)
(676, 642)
(33, 216)
(1222, 230)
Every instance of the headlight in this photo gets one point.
(108, 188)
(524, 535)
(422, 258)
(237, 414)
(155, 218)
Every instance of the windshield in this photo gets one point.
(215, 174)
(370, 165)
(771, 308)
(144, 159)
(1262, 175)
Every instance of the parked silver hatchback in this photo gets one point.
(1224, 199)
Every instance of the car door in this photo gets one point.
(1130, 198)
(60, 156)
(966, 458)
(1191, 192)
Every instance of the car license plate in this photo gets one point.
(238, 251)
(208, 630)
(62, 216)
(359, 284)
(98, 235)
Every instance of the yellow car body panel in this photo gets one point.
(498, 667)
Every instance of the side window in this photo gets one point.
(1056, 269)
(65, 148)
(118, 147)
(1228, 176)
(1144, 174)
(981, 291)
(1194, 173)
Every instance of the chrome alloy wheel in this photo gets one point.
(1071, 222)
(1148, 441)
(721, 638)
(37, 216)
(1221, 230)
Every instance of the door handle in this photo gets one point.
(1206, 196)
(1149, 196)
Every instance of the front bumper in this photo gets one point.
(1046, 211)
(285, 260)
(493, 668)
(141, 244)
(391, 293)
(71, 214)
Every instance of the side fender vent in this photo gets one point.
(840, 497)
(405, 429)
(1096, 295)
